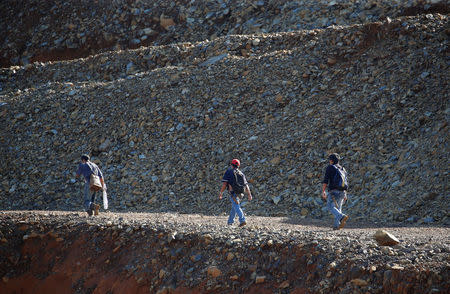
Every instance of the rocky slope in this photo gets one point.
(45, 252)
(163, 122)
(163, 94)
(57, 30)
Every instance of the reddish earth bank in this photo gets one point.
(67, 252)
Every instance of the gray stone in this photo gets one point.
(105, 145)
(214, 59)
(428, 220)
(130, 68)
(20, 116)
(384, 238)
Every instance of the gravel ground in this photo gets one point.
(164, 252)
(413, 239)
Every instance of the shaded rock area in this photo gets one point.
(163, 122)
(68, 252)
(58, 30)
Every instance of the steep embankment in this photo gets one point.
(163, 122)
(46, 252)
(34, 30)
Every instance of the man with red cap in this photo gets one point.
(236, 183)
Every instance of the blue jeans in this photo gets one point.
(335, 206)
(235, 208)
(88, 199)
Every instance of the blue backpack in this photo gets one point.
(340, 178)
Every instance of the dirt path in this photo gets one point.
(281, 225)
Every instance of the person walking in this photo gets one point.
(235, 182)
(336, 181)
(86, 168)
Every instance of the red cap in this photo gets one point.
(236, 162)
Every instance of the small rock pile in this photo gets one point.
(163, 122)
(57, 30)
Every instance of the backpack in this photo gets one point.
(238, 183)
(340, 178)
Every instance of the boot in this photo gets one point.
(96, 208)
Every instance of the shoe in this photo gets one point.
(96, 208)
(89, 212)
(242, 224)
(343, 221)
(335, 228)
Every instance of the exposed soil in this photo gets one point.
(68, 252)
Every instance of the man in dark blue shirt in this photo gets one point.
(86, 168)
(336, 192)
(228, 181)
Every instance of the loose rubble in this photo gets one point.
(164, 252)
(58, 30)
(163, 123)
